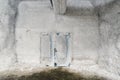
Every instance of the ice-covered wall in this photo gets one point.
(109, 30)
(8, 16)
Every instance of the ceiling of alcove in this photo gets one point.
(86, 6)
(88, 3)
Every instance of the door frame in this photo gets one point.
(52, 36)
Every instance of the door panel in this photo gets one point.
(55, 49)
(45, 50)
(61, 49)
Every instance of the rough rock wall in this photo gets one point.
(109, 31)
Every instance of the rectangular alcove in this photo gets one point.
(42, 36)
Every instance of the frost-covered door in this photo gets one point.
(62, 49)
(45, 49)
(55, 49)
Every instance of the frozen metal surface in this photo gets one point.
(45, 49)
(61, 48)
(54, 50)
